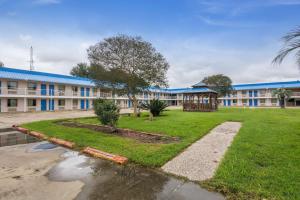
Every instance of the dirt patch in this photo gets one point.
(140, 136)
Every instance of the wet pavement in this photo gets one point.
(105, 180)
(32, 170)
(9, 136)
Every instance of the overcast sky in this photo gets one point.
(238, 38)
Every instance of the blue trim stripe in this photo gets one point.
(20, 74)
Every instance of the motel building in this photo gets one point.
(31, 91)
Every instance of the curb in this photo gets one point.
(62, 142)
(88, 150)
(37, 134)
(101, 154)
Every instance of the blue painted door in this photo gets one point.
(82, 91)
(250, 93)
(82, 104)
(43, 105)
(255, 102)
(228, 102)
(87, 104)
(129, 104)
(255, 93)
(250, 102)
(51, 104)
(51, 90)
(224, 102)
(43, 89)
(87, 92)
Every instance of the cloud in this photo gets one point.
(227, 23)
(193, 59)
(190, 59)
(25, 37)
(56, 54)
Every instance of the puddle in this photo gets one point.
(74, 167)
(10, 137)
(105, 180)
(43, 147)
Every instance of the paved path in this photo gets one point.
(8, 119)
(200, 161)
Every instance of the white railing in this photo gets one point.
(25, 92)
(47, 92)
(295, 94)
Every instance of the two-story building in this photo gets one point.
(261, 95)
(29, 91)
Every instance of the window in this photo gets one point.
(234, 93)
(244, 92)
(234, 101)
(12, 85)
(12, 102)
(75, 89)
(75, 102)
(262, 101)
(262, 92)
(244, 101)
(274, 101)
(31, 86)
(31, 102)
(61, 90)
(61, 87)
(61, 102)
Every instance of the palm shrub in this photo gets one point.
(282, 94)
(107, 112)
(155, 107)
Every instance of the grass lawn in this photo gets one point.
(263, 161)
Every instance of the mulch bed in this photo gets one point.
(140, 136)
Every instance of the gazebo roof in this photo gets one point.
(199, 90)
(199, 85)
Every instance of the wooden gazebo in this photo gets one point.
(200, 99)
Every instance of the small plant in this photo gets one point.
(107, 112)
(155, 107)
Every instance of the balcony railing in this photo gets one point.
(42, 92)
(295, 94)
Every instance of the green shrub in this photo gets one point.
(107, 112)
(155, 106)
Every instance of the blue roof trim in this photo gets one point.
(20, 74)
(271, 85)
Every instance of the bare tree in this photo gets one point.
(128, 64)
(1, 64)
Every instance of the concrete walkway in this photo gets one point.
(200, 161)
(8, 119)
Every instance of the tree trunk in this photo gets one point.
(282, 103)
(150, 116)
(135, 105)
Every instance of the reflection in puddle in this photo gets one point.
(74, 167)
(105, 180)
(43, 146)
(11, 137)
